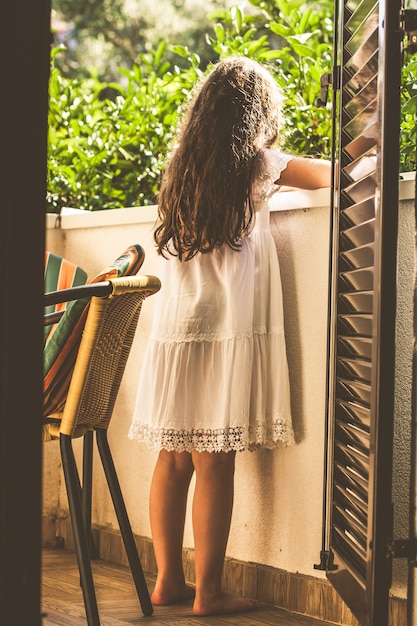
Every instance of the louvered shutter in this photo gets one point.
(362, 320)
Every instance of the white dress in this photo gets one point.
(215, 376)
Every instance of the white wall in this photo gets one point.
(278, 509)
(405, 342)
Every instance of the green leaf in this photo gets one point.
(299, 48)
(280, 29)
(159, 53)
(305, 18)
(236, 14)
(182, 51)
(289, 6)
(220, 33)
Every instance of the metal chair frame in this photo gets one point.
(108, 334)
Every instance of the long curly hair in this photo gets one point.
(205, 196)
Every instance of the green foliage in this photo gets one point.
(107, 142)
(112, 34)
(408, 115)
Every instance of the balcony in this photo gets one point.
(276, 529)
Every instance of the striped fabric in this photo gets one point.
(60, 274)
(63, 341)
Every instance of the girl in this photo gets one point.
(214, 379)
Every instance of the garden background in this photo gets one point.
(123, 69)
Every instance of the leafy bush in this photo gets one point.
(108, 141)
(408, 115)
(110, 34)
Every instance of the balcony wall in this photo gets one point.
(278, 508)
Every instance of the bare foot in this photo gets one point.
(166, 595)
(222, 603)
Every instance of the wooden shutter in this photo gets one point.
(358, 509)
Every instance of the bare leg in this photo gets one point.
(212, 512)
(168, 499)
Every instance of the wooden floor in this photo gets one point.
(62, 602)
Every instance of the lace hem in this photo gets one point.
(238, 438)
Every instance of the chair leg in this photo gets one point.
(73, 486)
(124, 523)
(87, 488)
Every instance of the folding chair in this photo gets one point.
(62, 339)
(111, 310)
(62, 344)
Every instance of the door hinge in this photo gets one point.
(326, 561)
(402, 549)
(327, 80)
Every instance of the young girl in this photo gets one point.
(214, 379)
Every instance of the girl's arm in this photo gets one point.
(306, 173)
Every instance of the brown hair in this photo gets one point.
(204, 201)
